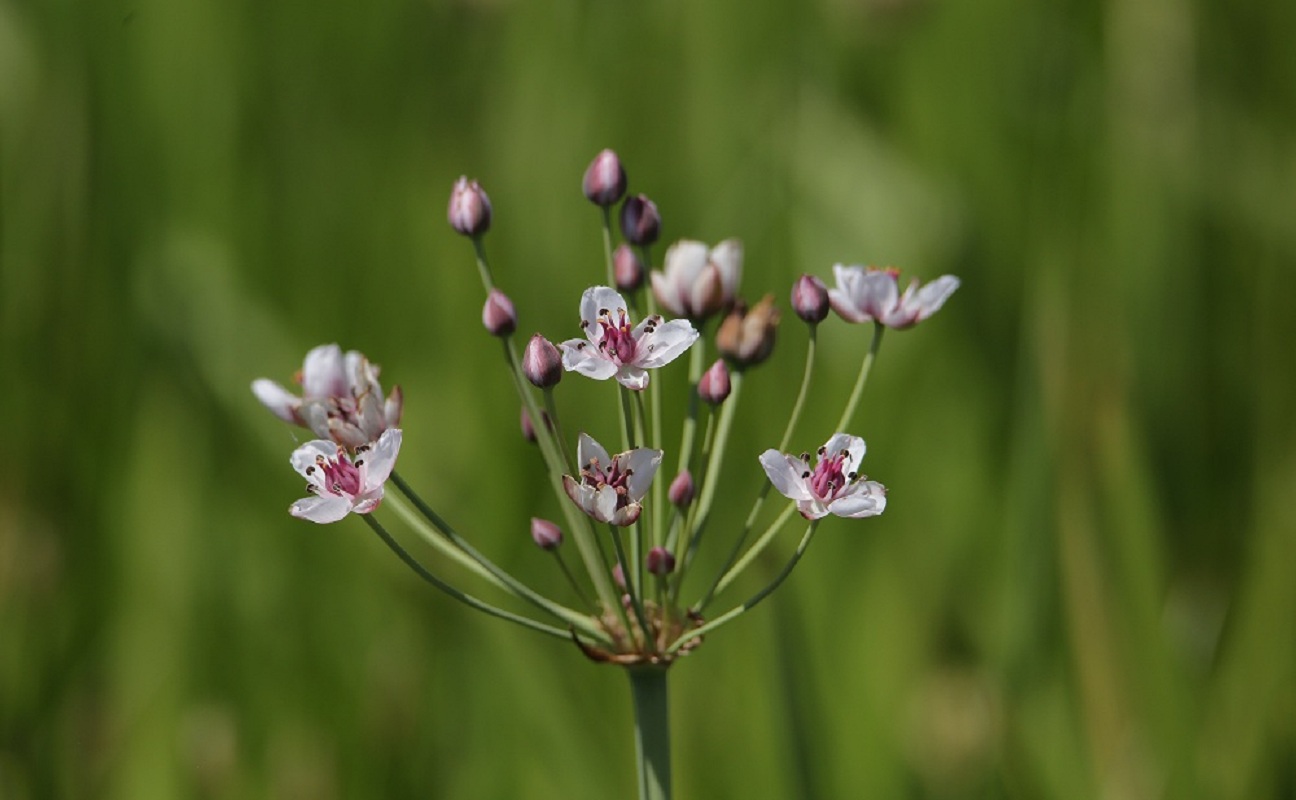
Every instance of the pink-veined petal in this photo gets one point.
(787, 473)
(322, 509)
(666, 343)
(859, 500)
(580, 356)
(380, 458)
(642, 465)
(626, 515)
(324, 373)
(280, 401)
(366, 502)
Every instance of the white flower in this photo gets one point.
(865, 295)
(834, 486)
(610, 487)
(341, 397)
(696, 282)
(615, 349)
(338, 485)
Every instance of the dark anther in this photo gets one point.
(805, 474)
(310, 470)
(603, 312)
(359, 461)
(805, 456)
(852, 475)
(822, 450)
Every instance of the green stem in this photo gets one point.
(466, 599)
(750, 555)
(752, 601)
(711, 476)
(635, 590)
(607, 246)
(483, 266)
(652, 731)
(844, 422)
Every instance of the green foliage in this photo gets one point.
(1082, 584)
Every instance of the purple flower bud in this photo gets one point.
(681, 489)
(714, 384)
(627, 269)
(640, 222)
(470, 208)
(528, 429)
(498, 315)
(542, 363)
(605, 179)
(660, 561)
(546, 534)
(810, 299)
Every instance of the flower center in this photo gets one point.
(614, 476)
(830, 476)
(617, 341)
(341, 477)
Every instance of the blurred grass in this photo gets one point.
(1082, 587)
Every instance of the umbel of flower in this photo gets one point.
(873, 295)
(696, 282)
(340, 485)
(615, 348)
(341, 397)
(609, 488)
(834, 486)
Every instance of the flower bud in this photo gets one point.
(713, 387)
(542, 363)
(498, 315)
(746, 337)
(627, 269)
(681, 489)
(528, 429)
(605, 179)
(810, 299)
(640, 222)
(470, 208)
(618, 576)
(546, 534)
(660, 562)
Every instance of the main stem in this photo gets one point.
(652, 731)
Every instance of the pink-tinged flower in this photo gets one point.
(869, 294)
(610, 487)
(834, 486)
(341, 398)
(340, 485)
(696, 282)
(615, 349)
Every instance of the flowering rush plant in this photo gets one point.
(636, 517)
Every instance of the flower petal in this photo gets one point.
(632, 377)
(664, 344)
(594, 300)
(307, 454)
(853, 445)
(668, 294)
(366, 502)
(280, 401)
(642, 465)
(325, 509)
(580, 356)
(812, 509)
(587, 449)
(932, 296)
(323, 372)
(728, 258)
(877, 294)
(843, 297)
(379, 460)
(862, 499)
(787, 473)
(626, 515)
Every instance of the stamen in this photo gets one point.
(359, 461)
(310, 470)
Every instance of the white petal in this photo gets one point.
(329, 508)
(306, 455)
(706, 294)
(603, 503)
(279, 400)
(392, 408)
(642, 465)
(812, 509)
(684, 261)
(728, 258)
(787, 474)
(347, 434)
(863, 499)
(632, 377)
(626, 515)
(664, 344)
(587, 450)
(366, 502)
(314, 413)
(379, 460)
(668, 295)
(853, 445)
(878, 294)
(594, 300)
(932, 296)
(580, 356)
(843, 297)
(323, 373)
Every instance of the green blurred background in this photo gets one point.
(1083, 586)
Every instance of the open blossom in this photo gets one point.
(617, 349)
(865, 295)
(609, 488)
(834, 486)
(696, 282)
(340, 485)
(341, 398)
